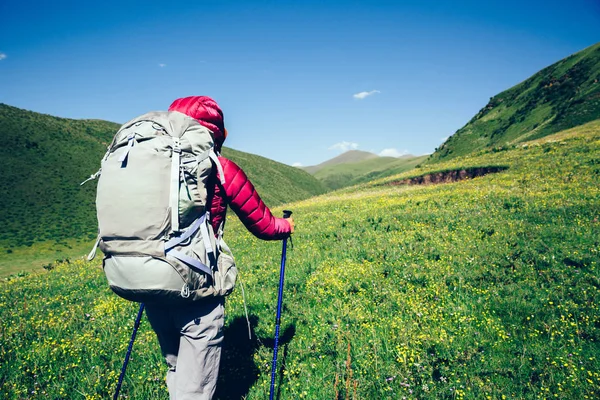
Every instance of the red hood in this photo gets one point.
(206, 111)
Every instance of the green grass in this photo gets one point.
(275, 182)
(41, 255)
(485, 288)
(561, 96)
(348, 174)
(43, 160)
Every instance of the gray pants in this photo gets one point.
(190, 339)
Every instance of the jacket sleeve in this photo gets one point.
(244, 200)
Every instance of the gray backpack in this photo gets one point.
(153, 216)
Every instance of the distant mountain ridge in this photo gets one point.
(350, 156)
(43, 159)
(275, 182)
(355, 166)
(560, 96)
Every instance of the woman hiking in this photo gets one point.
(190, 336)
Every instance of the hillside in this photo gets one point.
(486, 288)
(44, 158)
(351, 173)
(561, 96)
(275, 182)
(350, 156)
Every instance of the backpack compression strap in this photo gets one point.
(192, 262)
(199, 224)
(174, 193)
(130, 142)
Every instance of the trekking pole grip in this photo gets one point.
(287, 214)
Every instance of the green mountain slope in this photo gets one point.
(275, 182)
(486, 288)
(42, 161)
(44, 158)
(563, 95)
(351, 173)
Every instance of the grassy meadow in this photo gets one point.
(486, 288)
(42, 255)
(350, 174)
(45, 213)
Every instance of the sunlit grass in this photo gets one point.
(40, 255)
(484, 288)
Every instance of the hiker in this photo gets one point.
(190, 336)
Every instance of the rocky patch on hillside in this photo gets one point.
(449, 176)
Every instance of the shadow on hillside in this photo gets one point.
(238, 372)
(284, 339)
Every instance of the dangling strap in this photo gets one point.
(192, 262)
(174, 194)
(210, 253)
(97, 174)
(224, 246)
(245, 308)
(92, 254)
(92, 177)
(107, 153)
(130, 143)
(220, 234)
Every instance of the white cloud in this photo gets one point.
(162, 65)
(296, 164)
(344, 146)
(445, 138)
(2, 56)
(392, 153)
(362, 95)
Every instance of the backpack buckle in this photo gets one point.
(185, 291)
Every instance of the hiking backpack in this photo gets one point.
(153, 218)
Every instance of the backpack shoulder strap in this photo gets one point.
(215, 159)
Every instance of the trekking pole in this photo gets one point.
(135, 328)
(286, 214)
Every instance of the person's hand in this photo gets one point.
(291, 221)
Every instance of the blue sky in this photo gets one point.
(299, 81)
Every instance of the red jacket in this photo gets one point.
(239, 193)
